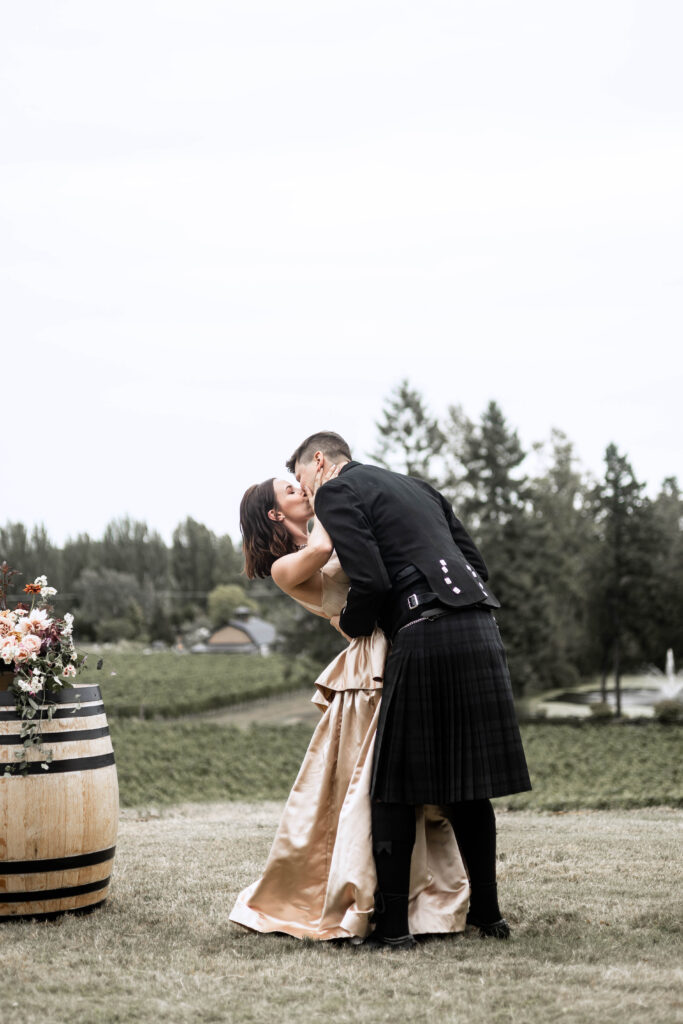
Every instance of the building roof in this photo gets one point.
(258, 632)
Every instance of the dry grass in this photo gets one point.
(596, 938)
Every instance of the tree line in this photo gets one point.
(589, 571)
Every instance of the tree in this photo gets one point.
(496, 510)
(409, 438)
(192, 562)
(111, 604)
(78, 554)
(223, 602)
(228, 562)
(491, 454)
(667, 631)
(15, 549)
(560, 560)
(625, 591)
(129, 546)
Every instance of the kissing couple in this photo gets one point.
(388, 831)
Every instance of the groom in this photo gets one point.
(447, 731)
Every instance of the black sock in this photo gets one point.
(474, 825)
(393, 838)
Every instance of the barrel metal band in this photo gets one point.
(67, 695)
(81, 860)
(85, 711)
(41, 895)
(67, 736)
(68, 764)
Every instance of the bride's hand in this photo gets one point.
(322, 475)
(319, 538)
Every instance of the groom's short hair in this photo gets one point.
(333, 445)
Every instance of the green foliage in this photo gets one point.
(590, 576)
(593, 764)
(169, 762)
(669, 711)
(111, 604)
(166, 684)
(588, 765)
(223, 602)
(409, 438)
(601, 710)
(625, 593)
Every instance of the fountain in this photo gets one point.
(670, 682)
(666, 685)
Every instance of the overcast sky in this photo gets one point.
(224, 225)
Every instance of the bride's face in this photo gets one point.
(292, 501)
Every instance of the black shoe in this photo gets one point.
(383, 942)
(492, 929)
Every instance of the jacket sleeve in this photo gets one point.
(341, 513)
(463, 540)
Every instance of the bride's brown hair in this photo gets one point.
(264, 540)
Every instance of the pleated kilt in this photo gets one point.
(447, 729)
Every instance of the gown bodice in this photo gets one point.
(335, 587)
(361, 665)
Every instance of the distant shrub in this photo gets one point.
(669, 712)
(111, 630)
(601, 710)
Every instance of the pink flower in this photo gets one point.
(31, 643)
(70, 670)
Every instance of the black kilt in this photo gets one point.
(447, 729)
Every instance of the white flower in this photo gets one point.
(33, 685)
(37, 620)
(68, 627)
(48, 592)
(8, 649)
(40, 581)
(69, 670)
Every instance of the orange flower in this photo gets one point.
(32, 588)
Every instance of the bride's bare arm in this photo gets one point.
(298, 574)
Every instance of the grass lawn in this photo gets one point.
(591, 896)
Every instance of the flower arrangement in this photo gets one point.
(38, 648)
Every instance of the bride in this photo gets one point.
(319, 880)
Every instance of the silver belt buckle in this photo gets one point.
(412, 601)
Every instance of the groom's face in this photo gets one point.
(305, 471)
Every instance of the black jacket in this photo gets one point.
(380, 522)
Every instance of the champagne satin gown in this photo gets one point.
(319, 880)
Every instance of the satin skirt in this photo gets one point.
(319, 880)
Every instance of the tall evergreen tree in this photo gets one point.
(667, 631)
(410, 440)
(561, 560)
(496, 510)
(624, 595)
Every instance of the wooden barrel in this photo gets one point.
(58, 826)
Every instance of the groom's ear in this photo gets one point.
(319, 457)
